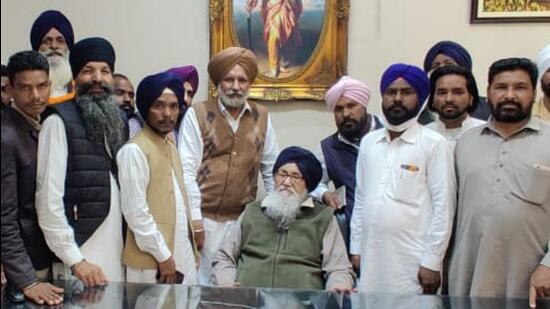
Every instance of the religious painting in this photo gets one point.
(501, 11)
(301, 45)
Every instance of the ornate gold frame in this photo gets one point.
(326, 65)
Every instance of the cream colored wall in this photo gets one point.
(150, 36)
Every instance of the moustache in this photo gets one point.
(51, 52)
(86, 87)
(513, 103)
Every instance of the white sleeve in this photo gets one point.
(51, 171)
(442, 186)
(356, 223)
(324, 183)
(190, 147)
(133, 176)
(269, 155)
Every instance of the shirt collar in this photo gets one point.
(532, 125)
(35, 123)
(410, 135)
(224, 110)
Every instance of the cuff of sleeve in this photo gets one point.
(431, 261)
(72, 256)
(354, 248)
(546, 260)
(196, 214)
(318, 193)
(163, 254)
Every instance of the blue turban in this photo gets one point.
(450, 49)
(48, 20)
(306, 161)
(152, 86)
(91, 49)
(414, 76)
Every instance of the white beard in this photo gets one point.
(283, 206)
(229, 102)
(60, 74)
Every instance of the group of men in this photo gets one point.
(184, 178)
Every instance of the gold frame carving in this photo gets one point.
(327, 63)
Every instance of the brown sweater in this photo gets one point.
(228, 174)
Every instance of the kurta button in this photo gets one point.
(234, 153)
(498, 179)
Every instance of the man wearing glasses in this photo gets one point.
(285, 241)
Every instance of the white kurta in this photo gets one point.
(452, 135)
(133, 175)
(50, 189)
(191, 152)
(404, 207)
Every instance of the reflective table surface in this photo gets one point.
(151, 296)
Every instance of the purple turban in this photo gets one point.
(189, 74)
(48, 20)
(450, 49)
(306, 161)
(91, 49)
(152, 86)
(350, 88)
(414, 76)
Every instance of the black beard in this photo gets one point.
(397, 114)
(101, 117)
(502, 115)
(455, 115)
(546, 89)
(128, 110)
(352, 129)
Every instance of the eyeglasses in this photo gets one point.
(293, 177)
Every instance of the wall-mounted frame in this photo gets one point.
(510, 11)
(307, 54)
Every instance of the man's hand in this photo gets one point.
(167, 270)
(341, 289)
(330, 200)
(44, 293)
(91, 275)
(356, 263)
(250, 5)
(198, 230)
(429, 280)
(539, 285)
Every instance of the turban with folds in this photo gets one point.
(226, 59)
(48, 20)
(350, 88)
(152, 86)
(414, 76)
(543, 61)
(450, 49)
(306, 161)
(189, 74)
(91, 49)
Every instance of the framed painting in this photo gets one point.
(510, 11)
(301, 45)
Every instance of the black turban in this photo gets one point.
(91, 49)
(450, 49)
(306, 161)
(48, 20)
(152, 86)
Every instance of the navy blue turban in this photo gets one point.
(414, 76)
(306, 161)
(91, 49)
(152, 86)
(450, 49)
(48, 20)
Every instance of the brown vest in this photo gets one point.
(228, 175)
(163, 158)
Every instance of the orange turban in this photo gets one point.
(226, 59)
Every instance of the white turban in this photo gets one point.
(543, 61)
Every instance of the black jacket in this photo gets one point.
(24, 249)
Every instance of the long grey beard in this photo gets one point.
(229, 102)
(102, 120)
(60, 72)
(283, 207)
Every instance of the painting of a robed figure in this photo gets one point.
(282, 33)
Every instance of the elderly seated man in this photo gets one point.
(286, 241)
